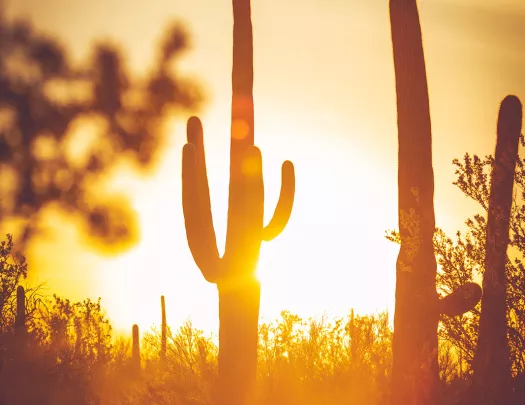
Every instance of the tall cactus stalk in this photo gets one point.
(135, 350)
(492, 374)
(163, 330)
(234, 273)
(417, 309)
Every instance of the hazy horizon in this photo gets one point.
(324, 98)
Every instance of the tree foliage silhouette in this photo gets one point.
(474, 181)
(13, 268)
(492, 381)
(461, 259)
(63, 127)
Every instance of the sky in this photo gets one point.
(324, 98)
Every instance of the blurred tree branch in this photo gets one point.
(63, 127)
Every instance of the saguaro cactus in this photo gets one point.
(417, 309)
(163, 330)
(234, 273)
(135, 350)
(492, 374)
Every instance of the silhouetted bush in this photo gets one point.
(73, 358)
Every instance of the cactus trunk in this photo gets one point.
(234, 273)
(417, 309)
(164, 330)
(238, 337)
(492, 373)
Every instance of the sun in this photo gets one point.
(325, 261)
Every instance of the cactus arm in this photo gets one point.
(283, 210)
(196, 204)
(462, 300)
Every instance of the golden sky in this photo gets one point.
(324, 98)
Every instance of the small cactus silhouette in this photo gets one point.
(234, 273)
(164, 330)
(78, 340)
(20, 318)
(20, 323)
(135, 350)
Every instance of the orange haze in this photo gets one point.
(324, 94)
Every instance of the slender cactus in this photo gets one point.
(20, 324)
(417, 309)
(353, 339)
(164, 330)
(492, 373)
(20, 318)
(234, 273)
(135, 350)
